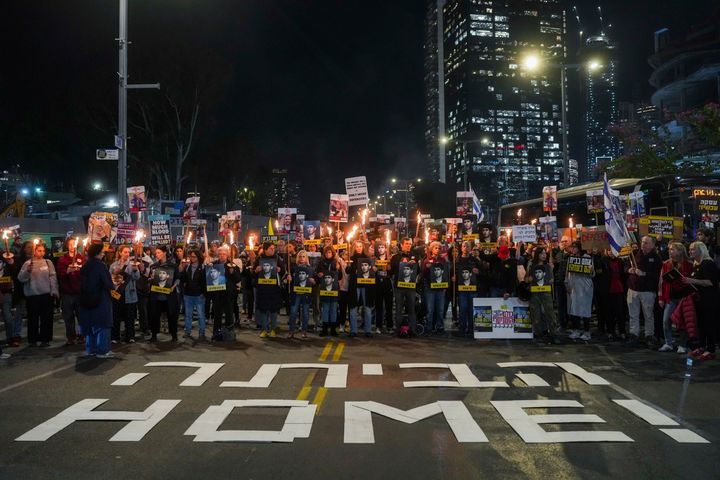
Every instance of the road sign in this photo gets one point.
(107, 154)
(119, 143)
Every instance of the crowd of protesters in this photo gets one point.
(664, 296)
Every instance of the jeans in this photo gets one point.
(465, 302)
(97, 340)
(267, 319)
(646, 301)
(70, 308)
(191, 303)
(667, 322)
(299, 304)
(7, 316)
(435, 306)
(367, 317)
(405, 298)
(328, 313)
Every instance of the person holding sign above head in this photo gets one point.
(579, 286)
(435, 283)
(301, 282)
(269, 297)
(361, 288)
(163, 297)
(540, 278)
(403, 270)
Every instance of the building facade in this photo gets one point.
(503, 123)
(599, 82)
(284, 193)
(434, 91)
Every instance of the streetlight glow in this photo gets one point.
(531, 62)
(393, 180)
(444, 140)
(594, 65)
(97, 186)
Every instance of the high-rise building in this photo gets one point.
(283, 192)
(599, 81)
(434, 91)
(503, 122)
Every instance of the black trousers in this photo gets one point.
(157, 308)
(384, 305)
(615, 313)
(343, 302)
(222, 307)
(124, 313)
(40, 316)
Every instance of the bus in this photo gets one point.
(665, 195)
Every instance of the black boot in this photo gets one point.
(324, 331)
(333, 331)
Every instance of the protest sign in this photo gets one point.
(102, 227)
(668, 227)
(357, 191)
(338, 207)
(286, 220)
(501, 318)
(524, 233)
(136, 198)
(547, 228)
(581, 265)
(464, 203)
(594, 238)
(126, 233)
(550, 200)
(192, 205)
(595, 201)
(160, 230)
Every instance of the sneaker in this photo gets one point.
(707, 356)
(341, 329)
(574, 334)
(114, 342)
(681, 350)
(303, 335)
(263, 334)
(272, 333)
(132, 340)
(378, 331)
(187, 335)
(4, 356)
(44, 344)
(585, 337)
(651, 341)
(106, 355)
(665, 348)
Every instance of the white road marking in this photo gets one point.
(130, 379)
(647, 413)
(372, 369)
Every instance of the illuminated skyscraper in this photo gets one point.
(601, 108)
(503, 123)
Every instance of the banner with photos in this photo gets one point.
(495, 318)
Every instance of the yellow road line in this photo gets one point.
(338, 351)
(319, 398)
(307, 387)
(326, 351)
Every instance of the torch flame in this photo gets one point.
(387, 237)
(231, 238)
(364, 214)
(251, 241)
(329, 230)
(427, 236)
(36, 241)
(138, 236)
(519, 212)
(508, 231)
(570, 222)
(533, 221)
(5, 234)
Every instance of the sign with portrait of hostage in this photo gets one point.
(329, 285)
(162, 280)
(364, 271)
(469, 230)
(311, 232)
(215, 277)
(407, 275)
(488, 235)
(438, 276)
(301, 280)
(268, 271)
(467, 281)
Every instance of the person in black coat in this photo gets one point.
(163, 297)
(269, 290)
(95, 313)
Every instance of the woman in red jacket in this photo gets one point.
(671, 289)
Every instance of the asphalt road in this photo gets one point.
(38, 384)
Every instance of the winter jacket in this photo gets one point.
(193, 285)
(676, 289)
(354, 287)
(269, 297)
(685, 317)
(95, 280)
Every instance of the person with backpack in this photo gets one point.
(95, 313)
(40, 288)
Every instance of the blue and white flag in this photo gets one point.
(477, 208)
(614, 219)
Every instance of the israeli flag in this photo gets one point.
(477, 208)
(614, 219)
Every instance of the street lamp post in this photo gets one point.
(533, 62)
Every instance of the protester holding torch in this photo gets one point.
(40, 287)
(68, 269)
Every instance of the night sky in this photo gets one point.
(328, 89)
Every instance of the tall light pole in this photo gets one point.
(533, 62)
(121, 138)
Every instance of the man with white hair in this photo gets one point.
(643, 279)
